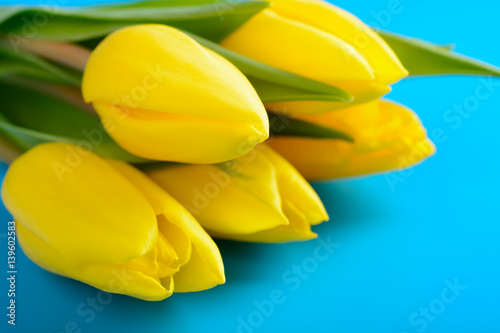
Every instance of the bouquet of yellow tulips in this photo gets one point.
(136, 132)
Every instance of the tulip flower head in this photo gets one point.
(387, 136)
(163, 96)
(106, 224)
(320, 41)
(258, 197)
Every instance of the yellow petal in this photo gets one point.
(193, 139)
(298, 229)
(78, 217)
(257, 197)
(387, 136)
(157, 90)
(298, 48)
(58, 190)
(201, 262)
(298, 197)
(203, 271)
(344, 25)
(120, 279)
(244, 203)
(177, 238)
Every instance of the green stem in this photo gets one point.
(8, 151)
(71, 55)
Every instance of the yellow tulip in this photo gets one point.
(258, 197)
(163, 96)
(106, 224)
(386, 136)
(315, 39)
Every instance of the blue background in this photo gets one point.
(397, 245)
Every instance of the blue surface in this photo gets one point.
(398, 248)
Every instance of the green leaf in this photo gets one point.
(424, 58)
(273, 84)
(29, 117)
(29, 65)
(272, 92)
(283, 125)
(212, 19)
(13, 68)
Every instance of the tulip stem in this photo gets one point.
(8, 151)
(68, 94)
(71, 55)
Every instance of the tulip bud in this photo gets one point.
(106, 224)
(258, 197)
(320, 41)
(386, 136)
(165, 97)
